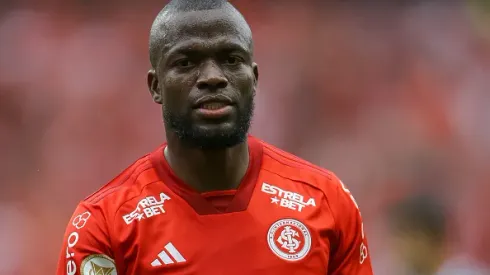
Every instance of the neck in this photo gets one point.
(208, 170)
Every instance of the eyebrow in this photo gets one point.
(193, 45)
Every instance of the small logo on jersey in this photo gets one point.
(98, 264)
(80, 220)
(287, 199)
(364, 253)
(289, 239)
(146, 208)
(169, 255)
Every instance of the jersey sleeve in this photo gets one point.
(350, 254)
(86, 247)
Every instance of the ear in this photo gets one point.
(255, 68)
(153, 87)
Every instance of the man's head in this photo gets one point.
(202, 72)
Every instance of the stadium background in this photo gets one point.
(394, 98)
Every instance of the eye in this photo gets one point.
(184, 63)
(233, 60)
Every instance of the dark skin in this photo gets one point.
(205, 53)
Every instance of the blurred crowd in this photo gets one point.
(393, 98)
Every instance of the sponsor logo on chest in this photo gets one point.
(287, 199)
(146, 208)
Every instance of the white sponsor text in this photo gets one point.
(146, 208)
(287, 199)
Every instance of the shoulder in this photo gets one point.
(290, 173)
(127, 185)
(300, 171)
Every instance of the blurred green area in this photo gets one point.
(480, 15)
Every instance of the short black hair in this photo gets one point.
(195, 5)
(420, 213)
(171, 9)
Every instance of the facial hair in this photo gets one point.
(211, 139)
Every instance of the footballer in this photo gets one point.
(213, 199)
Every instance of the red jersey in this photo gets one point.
(286, 217)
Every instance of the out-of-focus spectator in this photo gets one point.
(419, 230)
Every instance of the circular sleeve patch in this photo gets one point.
(98, 264)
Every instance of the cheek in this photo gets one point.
(243, 81)
(175, 91)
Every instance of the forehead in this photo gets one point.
(210, 28)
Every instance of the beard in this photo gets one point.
(192, 135)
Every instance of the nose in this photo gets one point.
(211, 77)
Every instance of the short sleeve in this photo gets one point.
(86, 246)
(350, 254)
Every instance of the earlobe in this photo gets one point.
(153, 86)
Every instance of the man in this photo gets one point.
(213, 200)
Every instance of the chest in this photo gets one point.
(256, 241)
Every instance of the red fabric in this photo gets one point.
(287, 217)
(220, 200)
(195, 199)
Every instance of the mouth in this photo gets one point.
(213, 107)
(214, 102)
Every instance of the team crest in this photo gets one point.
(289, 239)
(98, 265)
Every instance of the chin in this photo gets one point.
(215, 128)
(209, 135)
(216, 137)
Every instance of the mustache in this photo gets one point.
(221, 98)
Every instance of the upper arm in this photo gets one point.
(350, 254)
(86, 246)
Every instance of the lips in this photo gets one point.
(213, 102)
(213, 105)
